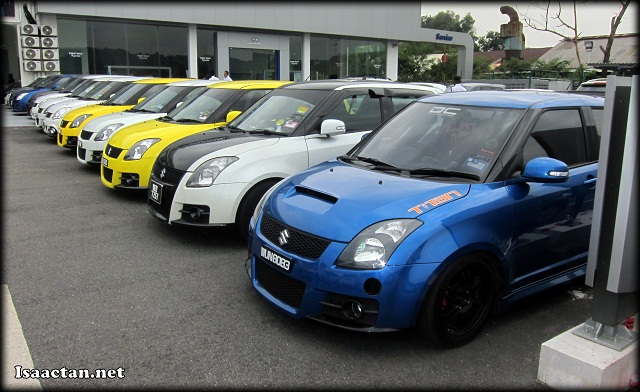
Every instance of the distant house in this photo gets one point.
(497, 56)
(624, 51)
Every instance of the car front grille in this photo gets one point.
(300, 243)
(167, 175)
(64, 123)
(82, 153)
(112, 152)
(281, 286)
(85, 135)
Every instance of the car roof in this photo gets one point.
(515, 99)
(159, 80)
(249, 84)
(195, 82)
(337, 84)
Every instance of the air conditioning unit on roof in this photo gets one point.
(31, 54)
(33, 65)
(48, 31)
(50, 54)
(29, 41)
(29, 29)
(51, 66)
(49, 42)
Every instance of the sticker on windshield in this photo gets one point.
(204, 115)
(476, 162)
(441, 110)
(302, 109)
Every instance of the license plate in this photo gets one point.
(276, 259)
(155, 192)
(105, 162)
(80, 143)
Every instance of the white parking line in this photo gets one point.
(15, 350)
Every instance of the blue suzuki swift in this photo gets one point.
(458, 206)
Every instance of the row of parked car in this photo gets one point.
(369, 205)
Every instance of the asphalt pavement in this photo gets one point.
(98, 283)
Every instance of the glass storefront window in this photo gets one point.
(206, 53)
(333, 58)
(295, 58)
(99, 47)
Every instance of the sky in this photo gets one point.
(594, 17)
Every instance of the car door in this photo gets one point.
(360, 111)
(552, 221)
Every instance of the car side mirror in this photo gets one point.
(232, 114)
(179, 103)
(545, 170)
(140, 99)
(332, 127)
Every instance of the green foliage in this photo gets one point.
(491, 41)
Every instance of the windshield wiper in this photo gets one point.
(187, 120)
(427, 171)
(377, 164)
(232, 128)
(265, 132)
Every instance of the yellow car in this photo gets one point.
(74, 120)
(131, 152)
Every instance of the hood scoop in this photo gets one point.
(316, 194)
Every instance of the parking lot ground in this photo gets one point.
(98, 283)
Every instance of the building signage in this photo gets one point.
(445, 37)
(255, 41)
(205, 58)
(143, 56)
(75, 54)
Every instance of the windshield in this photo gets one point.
(436, 140)
(91, 89)
(203, 106)
(105, 91)
(127, 94)
(281, 111)
(157, 102)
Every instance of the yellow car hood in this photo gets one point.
(125, 138)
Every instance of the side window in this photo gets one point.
(400, 102)
(358, 112)
(251, 97)
(557, 134)
(598, 117)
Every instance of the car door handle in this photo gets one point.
(590, 181)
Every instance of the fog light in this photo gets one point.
(372, 286)
(352, 310)
(195, 213)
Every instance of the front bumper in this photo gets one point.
(89, 151)
(115, 172)
(365, 300)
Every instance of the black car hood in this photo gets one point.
(183, 153)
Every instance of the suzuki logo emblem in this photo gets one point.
(109, 151)
(163, 172)
(283, 238)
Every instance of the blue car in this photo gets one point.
(458, 206)
(21, 100)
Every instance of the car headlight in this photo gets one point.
(207, 173)
(106, 132)
(372, 248)
(76, 123)
(137, 151)
(59, 113)
(20, 96)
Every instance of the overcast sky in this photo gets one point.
(594, 17)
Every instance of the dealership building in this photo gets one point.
(261, 40)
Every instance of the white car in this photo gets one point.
(103, 90)
(40, 109)
(216, 178)
(96, 133)
(83, 81)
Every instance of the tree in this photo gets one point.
(491, 41)
(544, 22)
(413, 64)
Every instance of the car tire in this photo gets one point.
(459, 302)
(248, 206)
